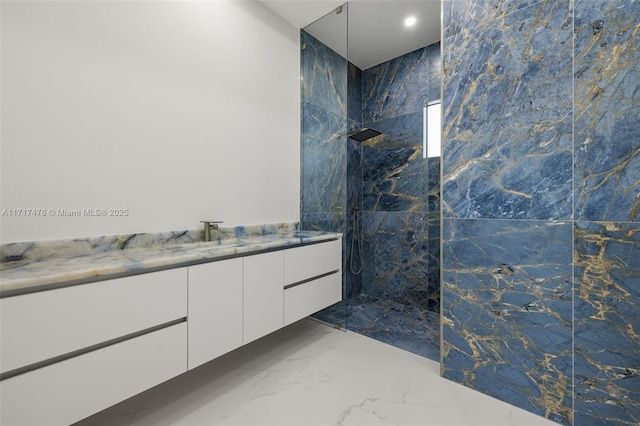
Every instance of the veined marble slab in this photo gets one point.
(35, 266)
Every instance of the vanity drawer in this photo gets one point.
(40, 326)
(311, 261)
(70, 390)
(305, 299)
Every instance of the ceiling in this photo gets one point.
(374, 28)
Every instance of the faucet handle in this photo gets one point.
(211, 223)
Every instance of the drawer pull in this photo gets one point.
(310, 279)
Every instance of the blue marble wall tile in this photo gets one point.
(433, 264)
(354, 93)
(394, 176)
(323, 76)
(607, 116)
(459, 15)
(508, 100)
(324, 161)
(353, 237)
(434, 233)
(405, 128)
(508, 115)
(607, 323)
(395, 182)
(507, 311)
(354, 174)
(396, 87)
(354, 256)
(353, 126)
(435, 71)
(329, 222)
(396, 257)
(434, 187)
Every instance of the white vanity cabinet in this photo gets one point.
(263, 295)
(234, 302)
(312, 279)
(70, 352)
(215, 310)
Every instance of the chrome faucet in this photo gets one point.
(208, 226)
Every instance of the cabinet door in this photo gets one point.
(70, 390)
(47, 324)
(263, 294)
(215, 310)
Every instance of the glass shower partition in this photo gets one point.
(324, 128)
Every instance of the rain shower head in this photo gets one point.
(364, 134)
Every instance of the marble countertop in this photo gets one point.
(29, 275)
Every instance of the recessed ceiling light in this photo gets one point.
(410, 21)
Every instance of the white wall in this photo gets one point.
(176, 111)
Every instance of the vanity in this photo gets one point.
(78, 341)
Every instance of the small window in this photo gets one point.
(432, 115)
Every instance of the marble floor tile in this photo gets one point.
(338, 313)
(311, 374)
(405, 327)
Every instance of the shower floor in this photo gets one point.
(405, 327)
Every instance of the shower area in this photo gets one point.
(371, 169)
(538, 197)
